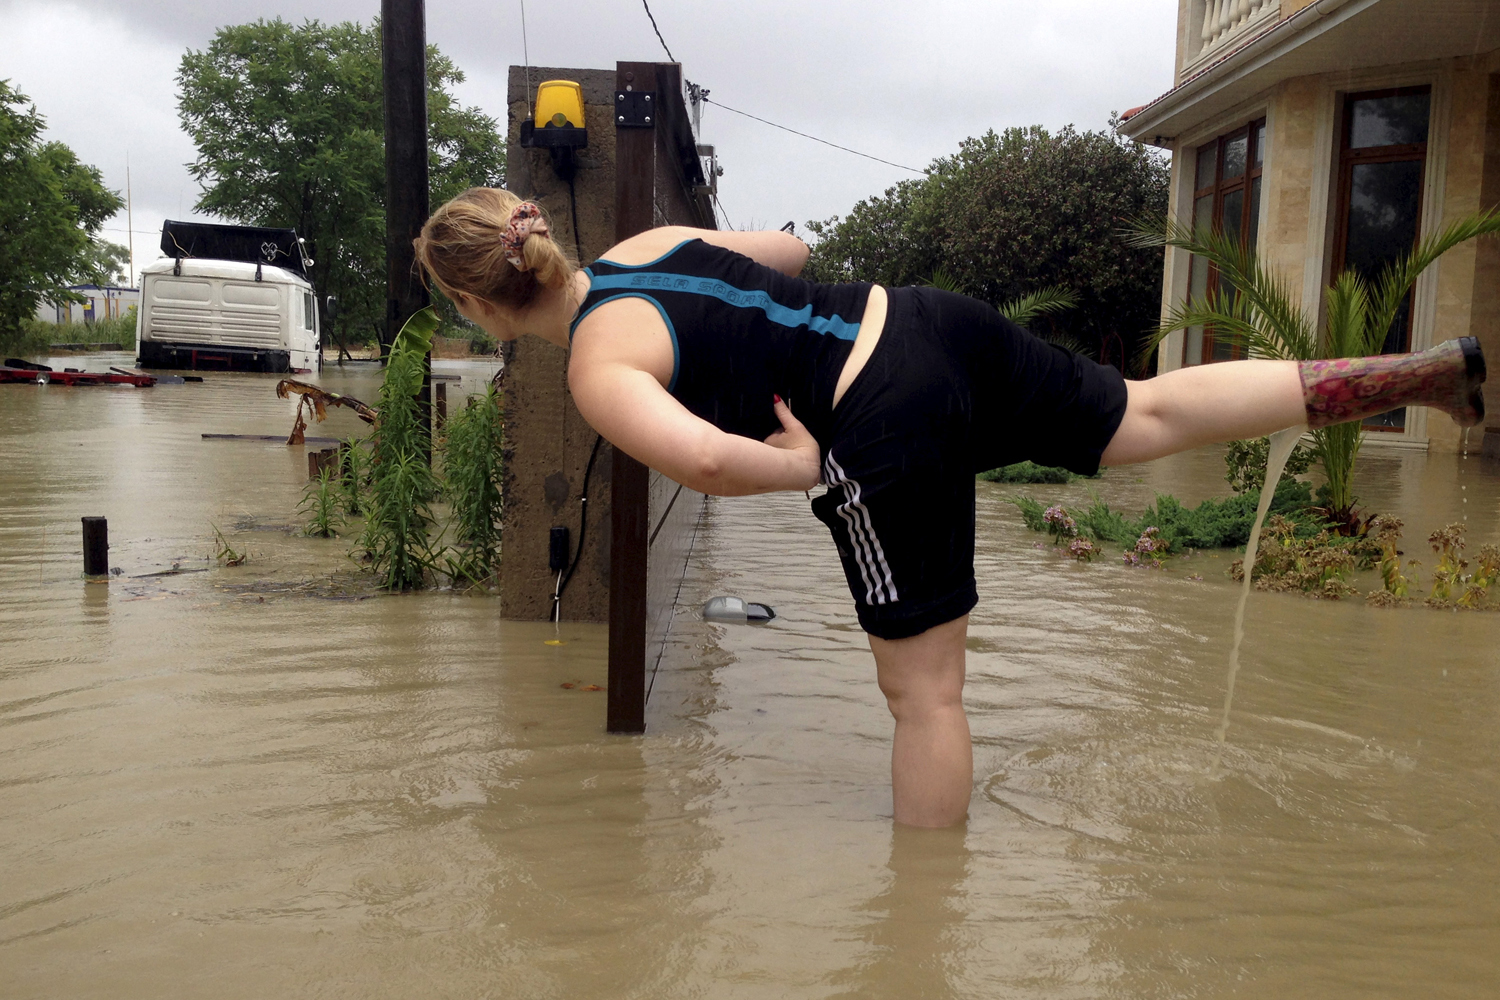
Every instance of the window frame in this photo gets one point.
(1348, 159)
(1219, 190)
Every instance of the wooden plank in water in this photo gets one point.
(278, 438)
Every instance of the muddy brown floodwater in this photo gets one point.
(266, 781)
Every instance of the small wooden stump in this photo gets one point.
(95, 546)
(317, 461)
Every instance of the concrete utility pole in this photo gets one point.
(404, 62)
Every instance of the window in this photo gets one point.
(1226, 196)
(309, 310)
(1382, 158)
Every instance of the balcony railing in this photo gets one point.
(1219, 22)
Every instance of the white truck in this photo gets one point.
(228, 298)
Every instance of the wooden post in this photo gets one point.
(317, 461)
(403, 26)
(440, 406)
(95, 546)
(635, 185)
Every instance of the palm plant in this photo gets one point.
(1254, 309)
(1025, 308)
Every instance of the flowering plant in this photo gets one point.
(1059, 524)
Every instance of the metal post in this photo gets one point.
(95, 546)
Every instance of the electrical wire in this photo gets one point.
(657, 30)
(573, 205)
(526, 55)
(721, 208)
(889, 163)
(583, 527)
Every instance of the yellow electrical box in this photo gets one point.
(559, 104)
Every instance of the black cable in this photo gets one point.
(814, 138)
(573, 204)
(657, 30)
(583, 523)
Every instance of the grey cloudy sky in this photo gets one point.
(906, 82)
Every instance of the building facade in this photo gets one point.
(1332, 135)
(100, 302)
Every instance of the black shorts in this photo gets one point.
(952, 389)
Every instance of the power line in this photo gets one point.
(814, 138)
(526, 54)
(722, 209)
(657, 30)
(706, 100)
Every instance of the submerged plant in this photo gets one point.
(1082, 549)
(1245, 463)
(354, 475)
(399, 523)
(225, 553)
(1386, 533)
(1256, 310)
(1211, 524)
(320, 500)
(1448, 575)
(1319, 566)
(1059, 524)
(472, 467)
(1148, 550)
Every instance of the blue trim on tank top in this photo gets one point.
(612, 263)
(643, 283)
(671, 330)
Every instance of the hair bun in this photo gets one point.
(526, 219)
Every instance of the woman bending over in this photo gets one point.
(703, 355)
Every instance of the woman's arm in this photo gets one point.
(632, 410)
(778, 250)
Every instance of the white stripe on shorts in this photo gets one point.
(873, 569)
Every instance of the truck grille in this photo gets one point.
(227, 325)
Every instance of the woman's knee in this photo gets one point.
(925, 673)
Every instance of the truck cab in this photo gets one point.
(205, 306)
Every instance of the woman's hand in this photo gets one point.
(795, 438)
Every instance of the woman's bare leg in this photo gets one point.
(1235, 400)
(932, 759)
(1195, 406)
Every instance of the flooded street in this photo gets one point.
(268, 780)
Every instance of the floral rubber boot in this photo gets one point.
(1447, 376)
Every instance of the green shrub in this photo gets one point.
(1213, 524)
(37, 337)
(472, 467)
(1245, 463)
(1029, 472)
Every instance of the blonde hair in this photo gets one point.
(461, 249)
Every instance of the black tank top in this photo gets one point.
(741, 333)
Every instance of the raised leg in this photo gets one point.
(932, 759)
(1244, 399)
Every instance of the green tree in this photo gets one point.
(1012, 212)
(289, 128)
(51, 207)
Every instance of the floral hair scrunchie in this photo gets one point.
(525, 219)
